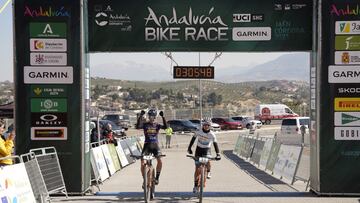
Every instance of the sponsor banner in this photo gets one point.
(347, 119)
(313, 104)
(347, 133)
(347, 42)
(251, 33)
(48, 91)
(48, 105)
(347, 57)
(284, 29)
(344, 74)
(48, 30)
(48, 59)
(98, 162)
(48, 75)
(48, 45)
(313, 83)
(347, 104)
(247, 18)
(108, 159)
(48, 119)
(48, 133)
(313, 72)
(15, 184)
(347, 27)
(348, 90)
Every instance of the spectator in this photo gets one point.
(108, 133)
(6, 144)
(168, 134)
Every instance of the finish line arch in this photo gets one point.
(69, 30)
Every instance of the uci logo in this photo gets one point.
(241, 18)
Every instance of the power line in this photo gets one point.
(217, 56)
(169, 55)
(4, 6)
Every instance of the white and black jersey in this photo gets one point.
(204, 140)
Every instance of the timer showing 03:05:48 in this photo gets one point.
(194, 72)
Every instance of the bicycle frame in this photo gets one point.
(148, 177)
(201, 173)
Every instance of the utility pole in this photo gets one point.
(200, 96)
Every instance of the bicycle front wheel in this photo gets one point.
(202, 177)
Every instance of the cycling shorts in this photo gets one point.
(202, 152)
(151, 148)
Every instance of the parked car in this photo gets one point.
(247, 120)
(117, 130)
(292, 125)
(213, 126)
(118, 119)
(182, 126)
(227, 123)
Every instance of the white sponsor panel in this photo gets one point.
(347, 119)
(287, 160)
(251, 33)
(108, 159)
(347, 27)
(48, 133)
(48, 59)
(347, 133)
(48, 75)
(123, 160)
(312, 93)
(48, 45)
(313, 83)
(313, 104)
(98, 163)
(313, 72)
(15, 184)
(344, 74)
(347, 57)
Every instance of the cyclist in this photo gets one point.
(204, 139)
(151, 145)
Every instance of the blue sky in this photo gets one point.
(139, 59)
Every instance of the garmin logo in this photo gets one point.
(344, 74)
(48, 75)
(349, 90)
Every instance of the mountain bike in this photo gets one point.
(149, 176)
(201, 173)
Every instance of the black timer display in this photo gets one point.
(194, 72)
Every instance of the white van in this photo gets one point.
(292, 125)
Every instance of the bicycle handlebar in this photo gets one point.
(198, 158)
(148, 156)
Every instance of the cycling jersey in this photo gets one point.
(151, 131)
(204, 140)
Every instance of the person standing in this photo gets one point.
(168, 134)
(6, 145)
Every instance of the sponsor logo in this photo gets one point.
(347, 104)
(49, 11)
(278, 7)
(287, 7)
(347, 133)
(347, 57)
(347, 42)
(349, 90)
(347, 27)
(49, 91)
(347, 118)
(347, 10)
(344, 74)
(108, 17)
(48, 133)
(48, 119)
(297, 6)
(48, 45)
(48, 105)
(283, 29)
(48, 75)
(44, 59)
(48, 30)
(252, 33)
(246, 18)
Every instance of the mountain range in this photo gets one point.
(295, 66)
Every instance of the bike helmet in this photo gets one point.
(207, 122)
(152, 112)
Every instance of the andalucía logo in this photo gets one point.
(345, 58)
(46, 12)
(345, 27)
(346, 118)
(345, 11)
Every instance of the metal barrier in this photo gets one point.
(36, 179)
(50, 169)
